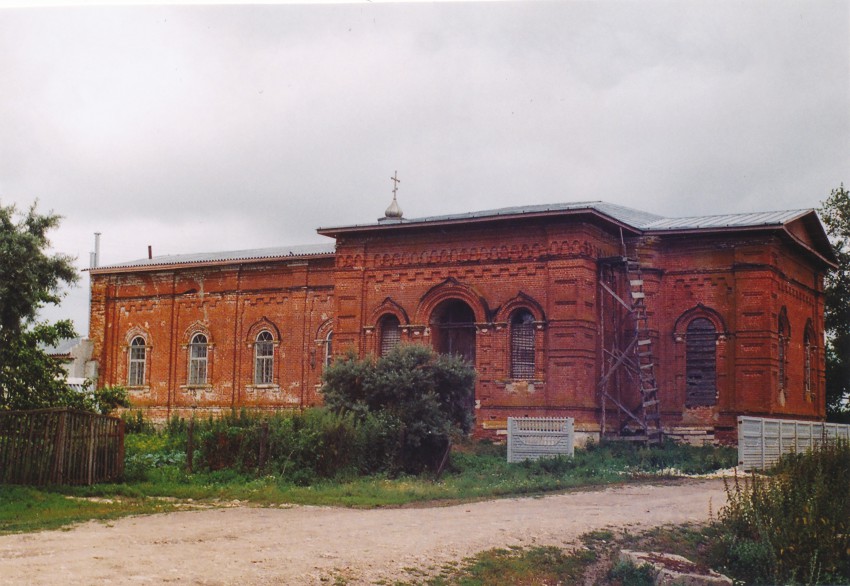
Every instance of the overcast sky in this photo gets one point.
(205, 128)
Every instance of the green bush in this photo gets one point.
(425, 395)
(300, 448)
(792, 526)
(628, 574)
(134, 422)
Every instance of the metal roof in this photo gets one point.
(750, 220)
(629, 216)
(62, 347)
(636, 219)
(227, 256)
(626, 215)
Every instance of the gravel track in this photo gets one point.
(315, 545)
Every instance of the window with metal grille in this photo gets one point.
(264, 359)
(808, 350)
(136, 370)
(784, 335)
(701, 363)
(522, 345)
(198, 360)
(390, 333)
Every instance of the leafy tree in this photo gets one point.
(107, 399)
(426, 394)
(30, 278)
(835, 213)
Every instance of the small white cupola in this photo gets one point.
(393, 213)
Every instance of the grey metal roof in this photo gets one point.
(626, 215)
(227, 256)
(62, 347)
(749, 220)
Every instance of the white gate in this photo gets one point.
(530, 438)
(761, 442)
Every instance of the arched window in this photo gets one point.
(701, 363)
(522, 345)
(198, 360)
(453, 329)
(264, 359)
(328, 348)
(808, 360)
(784, 336)
(138, 356)
(390, 333)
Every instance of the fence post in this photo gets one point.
(119, 457)
(59, 469)
(90, 475)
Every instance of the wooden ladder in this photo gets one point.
(649, 414)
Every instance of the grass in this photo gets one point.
(515, 567)
(157, 481)
(24, 509)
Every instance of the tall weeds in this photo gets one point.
(793, 526)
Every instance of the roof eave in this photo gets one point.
(412, 224)
(783, 228)
(194, 264)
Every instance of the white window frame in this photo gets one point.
(198, 360)
(136, 365)
(264, 358)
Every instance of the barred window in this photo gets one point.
(138, 355)
(522, 345)
(198, 360)
(264, 359)
(784, 335)
(808, 350)
(701, 363)
(390, 333)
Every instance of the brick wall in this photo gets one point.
(741, 282)
(230, 304)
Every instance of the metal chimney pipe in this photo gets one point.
(150, 252)
(96, 249)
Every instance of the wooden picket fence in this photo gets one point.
(60, 446)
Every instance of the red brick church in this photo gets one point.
(627, 321)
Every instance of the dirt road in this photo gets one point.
(311, 545)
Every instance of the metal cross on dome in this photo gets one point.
(395, 181)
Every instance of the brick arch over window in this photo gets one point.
(389, 306)
(700, 310)
(452, 289)
(136, 332)
(137, 347)
(525, 320)
(198, 345)
(324, 343)
(524, 301)
(263, 323)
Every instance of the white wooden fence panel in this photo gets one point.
(761, 441)
(530, 438)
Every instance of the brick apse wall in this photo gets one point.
(761, 291)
